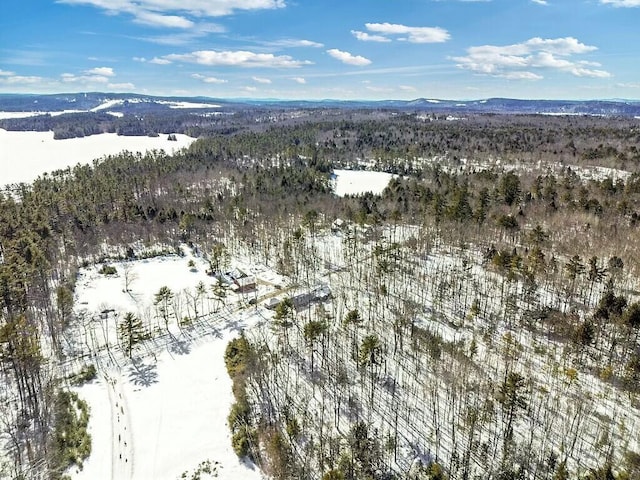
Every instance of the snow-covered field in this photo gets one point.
(164, 410)
(26, 155)
(4, 115)
(189, 104)
(354, 182)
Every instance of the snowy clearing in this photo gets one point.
(26, 155)
(157, 418)
(107, 104)
(356, 182)
(5, 115)
(164, 410)
(189, 104)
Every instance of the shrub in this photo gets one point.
(239, 414)
(242, 441)
(333, 475)
(236, 356)
(85, 375)
(108, 270)
(71, 442)
(293, 428)
(435, 472)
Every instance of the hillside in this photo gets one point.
(80, 115)
(136, 103)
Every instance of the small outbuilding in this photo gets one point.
(246, 284)
(272, 303)
(337, 225)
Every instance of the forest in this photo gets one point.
(484, 319)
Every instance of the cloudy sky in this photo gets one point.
(314, 49)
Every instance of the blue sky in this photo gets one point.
(315, 49)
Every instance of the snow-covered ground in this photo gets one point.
(26, 155)
(157, 418)
(164, 410)
(104, 106)
(4, 115)
(107, 104)
(421, 397)
(189, 104)
(354, 182)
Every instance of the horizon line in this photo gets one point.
(320, 100)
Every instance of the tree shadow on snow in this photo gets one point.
(235, 325)
(248, 464)
(180, 347)
(136, 297)
(215, 333)
(142, 374)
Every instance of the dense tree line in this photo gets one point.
(393, 138)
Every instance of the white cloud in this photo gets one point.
(548, 60)
(98, 75)
(250, 89)
(205, 79)
(160, 61)
(238, 58)
(185, 37)
(366, 37)
(560, 46)
(348, 58)
(588, 72)
(158, 20)
(10, 78)
(102, 71)
(413, 34)
(299, 80)
(71, 78)
(522, 76)
(540, 2)
(122, 86)
(291, 43)
(517, 61)
(171, 13)
(309, 43)
(622, 3)
(408, 88)
(261, 80)
(628, 85)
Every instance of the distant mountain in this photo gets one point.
(96, 102)
(492, 105)
(129, 103)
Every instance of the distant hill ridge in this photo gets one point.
(135, 103)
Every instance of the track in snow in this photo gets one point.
(121, 438)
